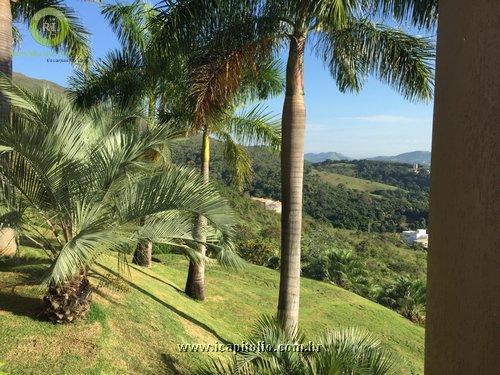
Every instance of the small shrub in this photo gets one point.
(258, 251)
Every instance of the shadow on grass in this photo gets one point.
(21, 272)
(168, 306)
(24, 264)
(156, 278)
(30, 307)
(170, 364)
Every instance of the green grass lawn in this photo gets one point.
(136, 324)
(353, 182)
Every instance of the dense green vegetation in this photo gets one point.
(370, 263)
(148, 306)
(347, 206)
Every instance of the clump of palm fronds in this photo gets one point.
(286, 351)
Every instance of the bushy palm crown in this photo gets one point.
(82, 183)
(75, 44)
(346, 270)
(344, 34)
(407, 296)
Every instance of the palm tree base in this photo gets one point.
(68, 302)
(143, 254)
(195, 284)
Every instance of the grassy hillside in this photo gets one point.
(353, 182)
(135, 325)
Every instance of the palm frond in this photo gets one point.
(17, 36)
(348, 351)
(237, 158)
(130, 23)
(120, 76)
(364, 48)
(177, 189)
(420, 13)
(352, 350)
(255, 126)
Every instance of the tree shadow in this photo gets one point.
(170, 364)
(26, 272)
(157, 279)
(24, 264)
(168, 306)
(21, 305)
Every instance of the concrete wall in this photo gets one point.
(463, 323)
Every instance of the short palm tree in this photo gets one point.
(407, 296)
(84, 184)
(75, 43)
(347, 271)
(353, 46)
(273, 350)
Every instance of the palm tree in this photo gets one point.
(217, 84)
(84, 183)
(132, 76)
(352, 46)
(347, 271)
(407, 296)
(286, 351)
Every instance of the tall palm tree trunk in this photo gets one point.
(5, 53)
(8, 244)
(292, 166)
(195, 284)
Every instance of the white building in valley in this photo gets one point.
(269, 204)
(416, 237)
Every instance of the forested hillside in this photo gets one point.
(341, 205)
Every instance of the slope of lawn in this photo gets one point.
(137, 322)
(353, 183)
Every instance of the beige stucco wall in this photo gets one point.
(463, 322)
(8, 245)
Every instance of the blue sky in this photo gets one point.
(376, 121)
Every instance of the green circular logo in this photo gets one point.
(49, 27)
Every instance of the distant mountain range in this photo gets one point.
(419, 157)
(414, 157)
(322, 156)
